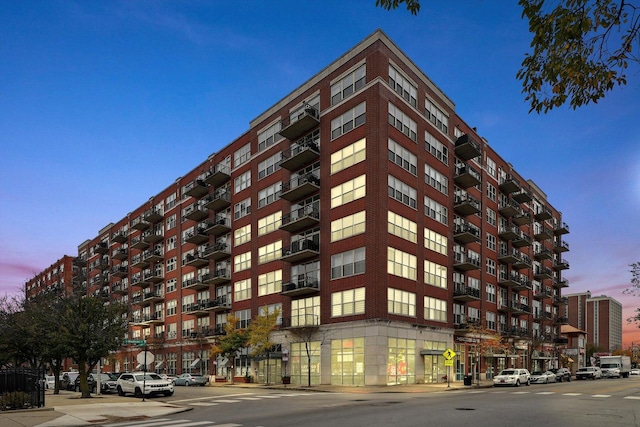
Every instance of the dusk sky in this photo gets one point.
(103, 104)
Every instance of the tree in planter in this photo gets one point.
(260, 331)
(229, 344)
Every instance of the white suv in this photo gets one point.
(513, 377)
(136, 382)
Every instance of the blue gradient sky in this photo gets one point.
(105, 103)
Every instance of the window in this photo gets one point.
(243, 318)
(270, 283)
(435, 274)
(269, 223)
(170, 201)
(491, 217)
(402, 192)
(171, 285)
(348, 191)
(348, 263)
(490, 167)
(348, 226)
(348, 121)
(491, 267)
(269, 166)
(269, 194)
(435, 210)
(347, 303)
(242, 182)
(347, 361)
(171, 243)
(435, 309)
(436, 116)
(172, 307)
(491, 191)
(270, 252)
(242, 290)
(242, 235)
(171, 222)
(491, 242)
(172, 264)
(242, 262)
(403, 157)
(403, 86)
(348, 156)
(305, 311)
(269, 136)
(435, 241)
(266, 310)
(402, 227)
(436, 148)
(436, 180)
(242, 155)
(403, 122)
(349, 84)
(401, 302)
(491, 292)
(242, 209)
(401, 263)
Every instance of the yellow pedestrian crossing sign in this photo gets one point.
(449, 354)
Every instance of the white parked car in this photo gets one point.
(588, 372)
(513, 377)
(635, 371)
(143, 384)
(542, 377)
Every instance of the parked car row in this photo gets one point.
(516, 377)
(109, 382)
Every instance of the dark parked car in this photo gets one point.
(107, 383)
(562, 374)
(68, 381)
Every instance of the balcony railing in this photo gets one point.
(308, 285)
(300, 153)
(300, 187)
(300, 219)
(299, 122)
(300, 250)
(467, 176)
(467, 148)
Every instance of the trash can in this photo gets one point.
(468, 380)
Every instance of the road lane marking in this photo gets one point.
(572, 394)
(632, 397)
(601, 395)
(546, 392)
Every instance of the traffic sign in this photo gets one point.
(449, 354)
(448, 362)
(134, 342)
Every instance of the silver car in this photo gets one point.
(190, 379)
(542, 377)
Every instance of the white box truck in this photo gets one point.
(615, 366)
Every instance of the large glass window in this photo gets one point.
(402, 192)
(242, 155)
(348, 263)
(269, 165)
(242, 182)
(348, 191)
(401, 302)
(242, 209)
(401, 361)
(305, 312)
(436, 116)
(348, 226)
(269, 252)
(270, 283)
(402, 122)
(402, 227)
(435, 274)
(349, 120)
(401, 264)
(435, 309)
(242, 235)
(435, 210)
(403, 157)
(435, 179)
(348, 156)
(305, 360)
(348, 84)
(269, 223)
(436, 148)
(403, 86)
(269, 194)
(347, 361)
(435, 241)
(242, 290)
(347, 303)
(269, 136)
(242, 262)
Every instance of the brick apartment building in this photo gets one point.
(366, 210)
(600, 317)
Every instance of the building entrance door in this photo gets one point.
(434, 369)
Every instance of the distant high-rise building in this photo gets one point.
(378, 222)
(600, 317)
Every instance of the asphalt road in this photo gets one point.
(609, 402)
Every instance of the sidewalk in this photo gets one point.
(67, 409)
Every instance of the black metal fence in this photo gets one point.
(21, 388)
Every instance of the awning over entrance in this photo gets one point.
(195, 363)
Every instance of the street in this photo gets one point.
(578, 403)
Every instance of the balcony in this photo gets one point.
(138, 242)
(466, 262)
(464, 204)
(562, 320)
(218, 201)
(119, 288)
(220, 303)
(218, 277)
(466, 148)
(465, 293)
(119, 271)
(196, 260)
(466, 232)
(220, 225)
(544, 214)
(300, 187)
(196, 212)
(558, 284)
(120, 236)
(196, 283)
(300, 122)
(513, 280)
(309, 285)
(153, 237)
(197, 236)
(220, 173)
(79, 262)
(522, 196)
(139, 262)
(101, 248)
(120, 254)
(509, 256)
(153, 255)
(467, 176)
(300, 154)
(196, 188)
(542, 254)
(522, 218)
(509, 185)
(153, 215)
(150, 319)
(195, 309)
(561, 229)
(560, 247)
(300, 219)
(558, 300)
(509, 232)
(543, 233)
(150, 296)
(153, 276)
(139, 223)
(300, 250)
(543, 273)
(522, 240)
(523, 262)
(542, 295)
(509, 208)
(301, 321)
(560, 265)
(217, 251)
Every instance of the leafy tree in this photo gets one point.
(231, 342)
(259, 332)
(634, 290)
(581, 48)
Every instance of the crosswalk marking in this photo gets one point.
(162, 422)
(632, 397)
(572, 394)
(203, 404)
(226, 400)
(138, 423)
(249, 398)
(546, 392)
(601, 395)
